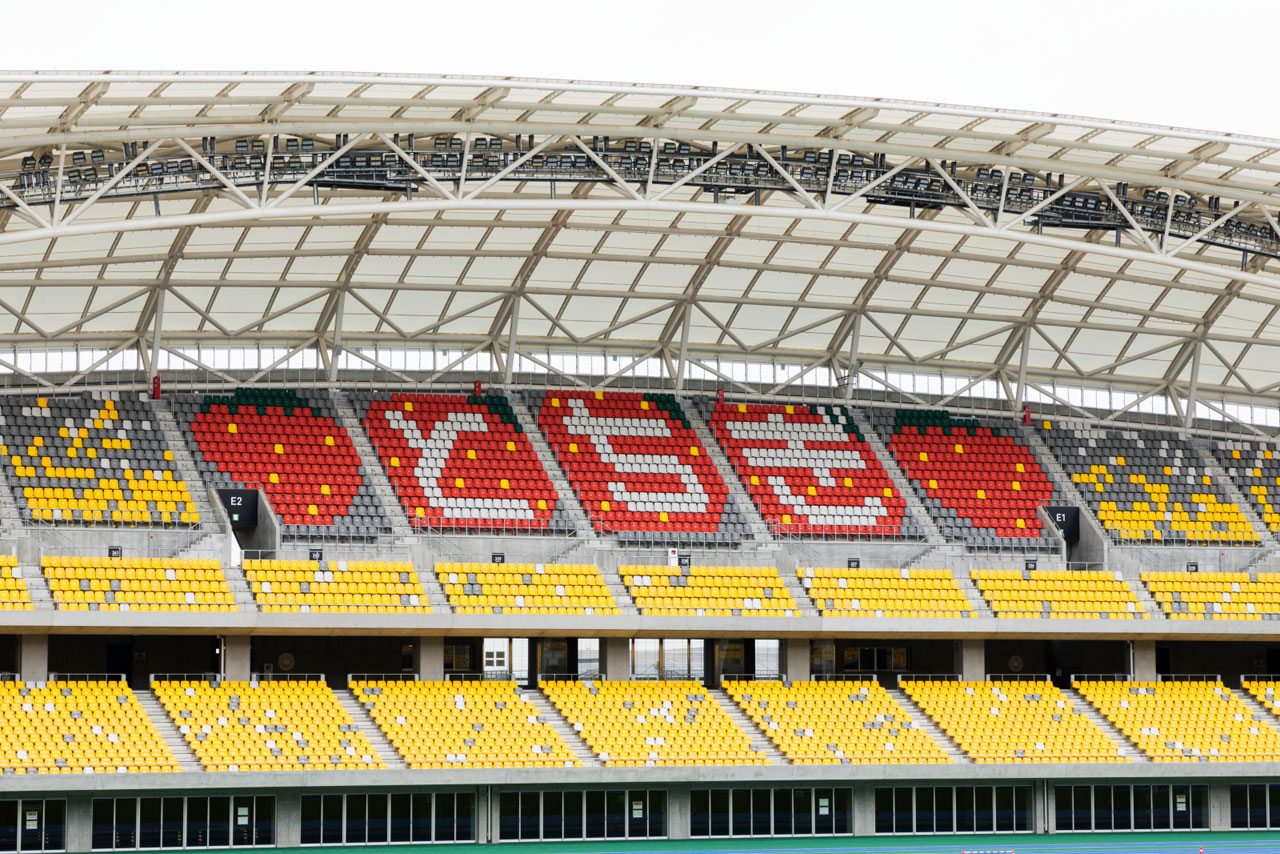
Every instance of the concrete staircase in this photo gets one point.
(568, 498)
(760, 742)
(1145, 599)
(797, 590)
(1261, 714)
(920, 719)
(364, 723)
(563, 728)
(1228, 485)
(908, 493)
(1127, 748)
(38, 588)
(182, 459)
(1063, 482)
(374, 474)
(759, 530)
(973, 594)
(168, 731)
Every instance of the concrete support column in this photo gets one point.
(1040, 807)
(288, 818)
(795, 659)
(235, 657)
(79, 822)
(1142, 655)
(864, 809)
(615, 658)
(428, 658)
(679, 811)
(33, 657)
(1219, 804)
(971, 659)
(486, 819)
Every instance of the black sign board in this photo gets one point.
(315, 554)
(1068, 521)
(684, 561)
(1193, 567)
(498, 557)
(115, 551)
(1029, 565)
(855, 563)
(242, 507)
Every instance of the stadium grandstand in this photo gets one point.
(547, 460)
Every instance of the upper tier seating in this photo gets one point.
(294, 449)
(1255, 469)
(94, 461)
(266, 726)
(638, 468)
(1147, 486)
(893, 593)
(137, 584)
(525, 588)
(14, 593)
(1013, 721)
(709, 591)
(979, 482)
(659, 723)
(352, 586)
(836, 723)
(463, 725)
(808, 469)
(462, 462)
(1058, 594)
(1216, 595)
(1174, 721)
(68, 727)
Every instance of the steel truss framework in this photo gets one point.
(501, 216)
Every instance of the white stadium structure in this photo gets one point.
(550, 460)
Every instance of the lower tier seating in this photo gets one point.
(895, 593)
(296, 725)
(652, 723)
(137, 584)
(1182, 721)
(525, 588)
(1058, 594)
(66, 727)
(463, 724)
(355, 586)
(1013, 721)
(836, 723)
(1216, 595)
(709, 591)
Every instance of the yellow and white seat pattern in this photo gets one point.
(355, 586)
(279, 725)
(1216, 595)
(93, 461)
(659, 723)
(710, 591)
(137, 584)
(525, 588)
(1184, 721)
(1265, 691)
(836, 723)
(1000, 722)
(1058, 594)
(67, 727)
(894, 593)
(14, 593)
(463, 724)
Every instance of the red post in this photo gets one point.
(1026, 414)
(720, 395)
(155, 387)
(479, 390)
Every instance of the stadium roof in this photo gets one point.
(832, 232)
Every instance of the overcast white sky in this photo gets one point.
(1205, 65)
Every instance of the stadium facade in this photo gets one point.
(565, 460)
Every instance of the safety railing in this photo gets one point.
(928, 677)
(286, 677)
(185, 677)
(847, 677)
(1258, 677)
(382, 677)
(59, 676)
(1101, 677)
(1188, 677)
(1018, 677)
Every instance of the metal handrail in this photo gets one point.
(1258, 677)
(382, 677)
(849, 677)
(1188, 677)
(87, 677)
(208, 676)
(287, 677)
(1018, 677)
(1101, 677)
